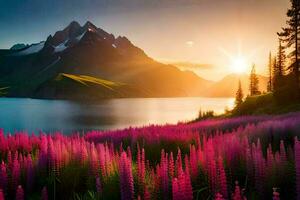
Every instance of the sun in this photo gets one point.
(239, 65)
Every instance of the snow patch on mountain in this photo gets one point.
(61, 47)
(34, 48)
(80, 36)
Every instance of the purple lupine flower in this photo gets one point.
(20, 193)
(126, 178)
(44, 193)
(297, 166)
(98, 185)
(1, 195)
(3, 176)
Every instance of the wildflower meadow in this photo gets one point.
(254, 157)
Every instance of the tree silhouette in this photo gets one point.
(270, 69)
(274, 68)
(290, 37)
(279, 67)
(239, 96)
(253, 82)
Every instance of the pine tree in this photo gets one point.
(239, 96)
(290, 36)
(274, 71)
(253, 82)
(279, 67)
(270, 69)
(280, 60)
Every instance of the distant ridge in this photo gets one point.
(89, 51)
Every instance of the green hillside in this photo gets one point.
(82, 87)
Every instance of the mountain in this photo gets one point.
(227, 86)
(76, 61)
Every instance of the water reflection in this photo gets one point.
(50, 115)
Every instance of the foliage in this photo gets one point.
(239, 96)
(253, 88)
(217, 159)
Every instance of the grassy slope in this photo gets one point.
(264, 104)
(82, 87)
(89, 80)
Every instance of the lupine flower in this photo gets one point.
(276, 194)
(219, 197)
(222, 178)
(1, 195)
(44, 194)
(20, 193)
(3, 176)
(16, 173)
(126, 178)
(98, 185)
(297, 166)
(237, 195)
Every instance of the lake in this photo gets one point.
(50, 115)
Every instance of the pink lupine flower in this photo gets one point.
(276, 194)
(193, 161)
(177, 195)
(141, 168)
(126, 178)
(44, 194)
(283, 157)
(178, 164)
(29, 173)
(98, 185)
(94, 160)
(222, 178)
(1, 195)
(171, 166)
(16, 173)
(20, 193)
(181, 188)
(297, 166)
(147, 195)
(237, 195)
(3, 176)
(188, 190)
(163, 172)
(219, 197)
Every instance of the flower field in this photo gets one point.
(255, 157)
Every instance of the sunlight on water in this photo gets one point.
(49, 115)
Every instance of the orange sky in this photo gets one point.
(197, 32)
(194, 31)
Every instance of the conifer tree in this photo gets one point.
(279, 67)
(239, 96)
(270, 69)
(253, 82)
(291, 39)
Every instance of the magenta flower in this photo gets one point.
(1, 195)
(297, 166)
(219, 197)
(20, 193)
(3, 176)
(126, 178)
(98, 185)
(276, 194)
(44, 194)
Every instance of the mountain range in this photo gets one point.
(86, 62)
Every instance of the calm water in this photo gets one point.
(50, 115)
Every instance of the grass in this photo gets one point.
(87, 80)
(264, 104)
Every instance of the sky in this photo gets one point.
(206, 36)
